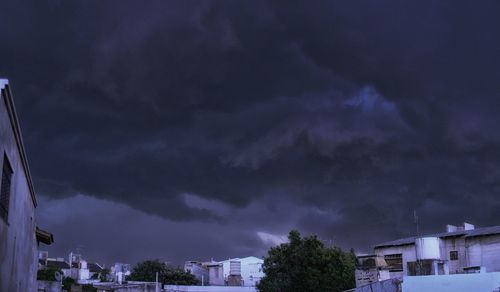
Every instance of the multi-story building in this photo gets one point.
(231, 272)
(461, 249)
(19, 234)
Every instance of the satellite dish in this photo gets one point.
(58, 276)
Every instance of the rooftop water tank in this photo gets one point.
(427, 248)
(234, 268)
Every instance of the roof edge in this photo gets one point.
(391, 245)
(11, 110)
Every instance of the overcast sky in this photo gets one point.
(184, 130)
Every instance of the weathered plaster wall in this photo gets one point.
(18, 247)
(487, 253)
(408, 252)
(454, 244)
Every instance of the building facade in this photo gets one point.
(461, 249)
(250, 269)
(19, 236)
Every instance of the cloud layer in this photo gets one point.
(335, 118)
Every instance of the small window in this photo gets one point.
(453, 255)
(394, 262)
(5, 189)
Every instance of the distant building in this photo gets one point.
(249, 268)
(231, 272)
(95, 270)
(119, 272)
(199, 270)
(19, 234)
(82, 271)
(44, 261)
(459, 250)
(216, 274)
(76, 268)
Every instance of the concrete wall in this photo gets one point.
(216, 275)
(175, 288)
(453, 283)
(391, 285)
(18, 246)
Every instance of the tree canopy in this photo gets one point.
(47, 274)
(146, 271)
(306, 264)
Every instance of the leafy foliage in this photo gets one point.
(146, 271)
(104, 275)
(47, 274)
(306, 264)
(67, 282)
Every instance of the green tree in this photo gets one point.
(103, 275)
(306, 264)
(146, 271)
(67, 282)
(47, 274)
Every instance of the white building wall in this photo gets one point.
(484, 251)
(251, 269)
(408, 253)
(174, 288)
(454, 244)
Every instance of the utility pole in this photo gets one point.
(418, 263)
(156, 286)
(415, 218)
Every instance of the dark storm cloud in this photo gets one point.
(359, 113)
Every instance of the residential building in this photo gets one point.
(76, 268)
(249, 268)
(461, 249)
(19, 235)
(233, 272)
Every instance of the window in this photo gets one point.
(394, 262)
(5, 189)
(453, 255)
